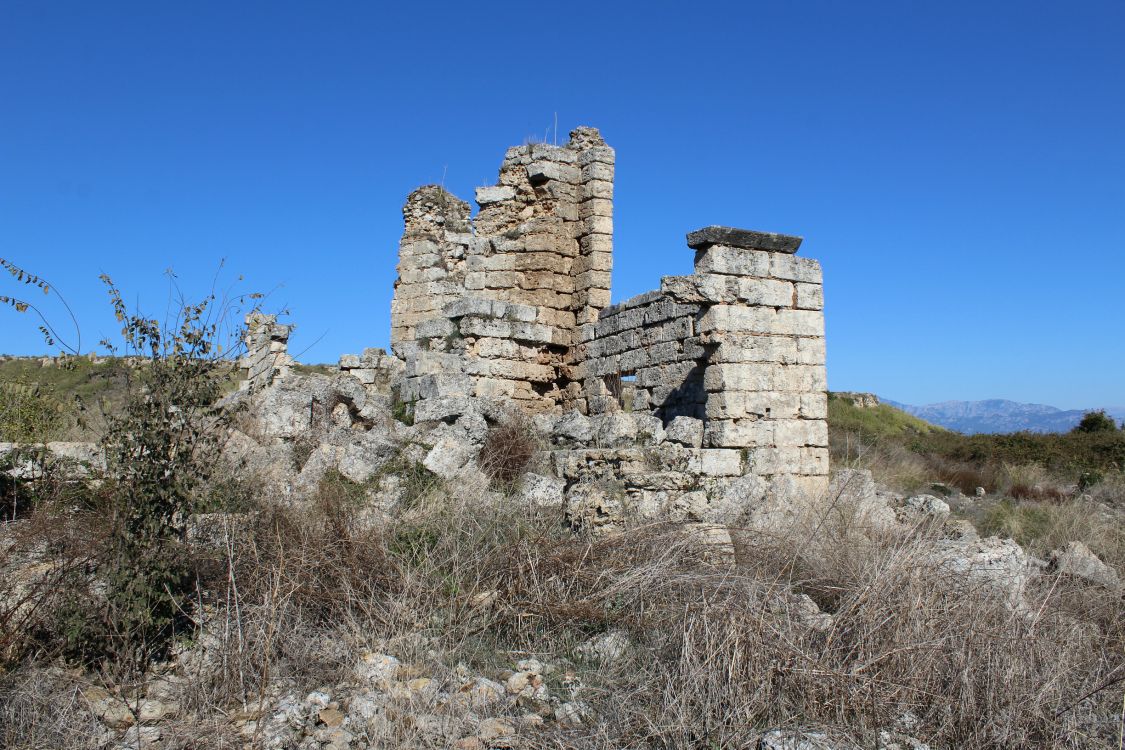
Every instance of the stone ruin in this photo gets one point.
(712, 381)
(267, 351)
(514, 304)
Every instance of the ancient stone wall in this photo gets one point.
(541, 242)
(644, 355)
(267, 351)
(514, 305)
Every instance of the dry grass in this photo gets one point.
(508, 450)
(719, 654)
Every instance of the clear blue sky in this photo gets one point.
(958, 167)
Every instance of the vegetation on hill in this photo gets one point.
(1041, 489)
(1090, 452)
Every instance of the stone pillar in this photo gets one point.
(542, 240)
(765, 375)
(431, 261)
(267, 351)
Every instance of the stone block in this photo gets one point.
(502, 349)
(666, 374)
(650, 429)
(686, 431)
(434, 328)
(756, 348)
(740, 433)
(598, 297)
(810, 351)
(800, 379)
(598, 189)
(495, 194)
(603, 154)
(365, 375)
(556, 318)
(800, 433)
(666, 309)
(743, 238)
(738, 319)
(800, 322)
(813, 461)
(592, 262)
(440, 409)
(614, 430)
(510, 370)
(767, 460)
(597, 170)
(733, 261)
(539, 172)
(596, 243)
(720, 462)
(814, 405)
(791, 268)
(809, 296)
(595, 207)
(348, 361)
(495, 388)
(549, 152)
(739, 377)
(753, 405)
(433, 363)
(597, 225)
(634, 359)
(435, 386)
(686, 289)
(768, 292)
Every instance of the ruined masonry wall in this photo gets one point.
(514, 304)
(644, 355)
(267, 351)
(542, 243)
(738, 344)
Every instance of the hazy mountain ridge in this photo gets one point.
(1001, 415)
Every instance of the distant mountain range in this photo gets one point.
(999, 415)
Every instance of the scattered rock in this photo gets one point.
(1078, 561)
(492, 729)
(574, 714)
(922, 509)
(378, 669)
(792, 739)
(607, 647)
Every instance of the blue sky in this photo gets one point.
(957, 167)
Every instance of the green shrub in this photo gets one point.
(28, 414)
(1096, 421)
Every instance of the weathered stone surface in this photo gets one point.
(687, 431)
(921, 509)
(513, 306)
(486, 195)
(1078, 561)
(542, 491)
(448, 457)
(743, 238)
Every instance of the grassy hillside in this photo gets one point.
(1069, 455)
(65, 400)
(883, 421)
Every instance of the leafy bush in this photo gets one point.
(1096, 421)
(133, 587)
(28, 414)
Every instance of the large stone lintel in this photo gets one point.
(743, 238)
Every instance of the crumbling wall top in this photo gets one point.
(431, 210)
